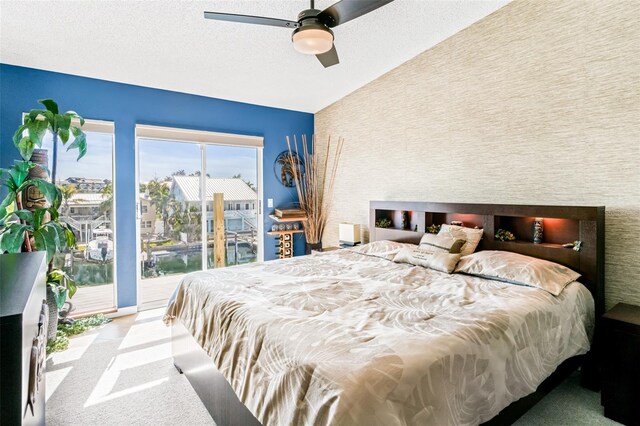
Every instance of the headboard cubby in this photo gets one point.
(562, 224)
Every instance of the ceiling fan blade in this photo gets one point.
(248, 19)
(329, 57)
(346, 10)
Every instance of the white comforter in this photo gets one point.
(349, 337)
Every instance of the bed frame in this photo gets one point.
(562, 224)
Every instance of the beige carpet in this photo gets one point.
(123, 374)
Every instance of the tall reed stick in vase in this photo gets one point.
(314, 182)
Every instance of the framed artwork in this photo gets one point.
(282, 168)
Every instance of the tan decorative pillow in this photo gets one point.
(518, 269)
(471, 235)
(444, 243)
(428, 257)
(384, 248)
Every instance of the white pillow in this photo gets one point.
(444, 243)
(428, 257)
(471, 235)
(518, 269)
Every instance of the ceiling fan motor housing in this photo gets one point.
(312, 36)
(308, 13)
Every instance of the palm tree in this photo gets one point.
(176, 220)
(107, 194)
(160, 197)
(193, 223)
(249, 183)
(67, 191)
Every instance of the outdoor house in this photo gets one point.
(83, 213)
(88, 211)
(86, 184)
(239, 200)
(148, 222)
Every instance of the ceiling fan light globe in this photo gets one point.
(312, 41)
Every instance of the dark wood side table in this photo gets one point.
(621, 364)
(23, 338)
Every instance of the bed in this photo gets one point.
(351, 337)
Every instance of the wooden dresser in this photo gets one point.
(621, 364)
(23, 325)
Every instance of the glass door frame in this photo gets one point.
(202, 139)
(107, 127)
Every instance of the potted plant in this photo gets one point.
(29, 214)
(314, 184)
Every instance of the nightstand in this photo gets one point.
(621, 364)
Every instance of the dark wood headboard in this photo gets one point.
(562, 224)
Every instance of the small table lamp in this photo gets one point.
(349, 234)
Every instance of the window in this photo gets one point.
(144, 209)
(90, 216)
(194, 163)
(246, 206)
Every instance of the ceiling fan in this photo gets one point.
(312, 33)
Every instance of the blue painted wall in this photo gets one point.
(127, 105)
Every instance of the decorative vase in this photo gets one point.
(309, 247)
(538, 229)
(406, 222)
(53, 315)
(33, 198)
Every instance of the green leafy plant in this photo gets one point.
(62, 286)
(37, 230)
(161, 199)
(504, 235)
(61, 126)
(433, 229)
(77, 327)
(383, 223)
(41, 229)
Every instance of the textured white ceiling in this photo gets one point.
(169, 45)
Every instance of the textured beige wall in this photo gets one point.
(539, 103)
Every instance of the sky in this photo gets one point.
(97, 162)
(157, 159)
(162, 158)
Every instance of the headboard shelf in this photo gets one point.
(556, 230)
(400, 235)
(562, 224)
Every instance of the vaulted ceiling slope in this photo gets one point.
(169, 45)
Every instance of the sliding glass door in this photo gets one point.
(232, 176)
(168, 215)
(198, 209)
(88, 208)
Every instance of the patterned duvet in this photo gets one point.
(350, 338)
